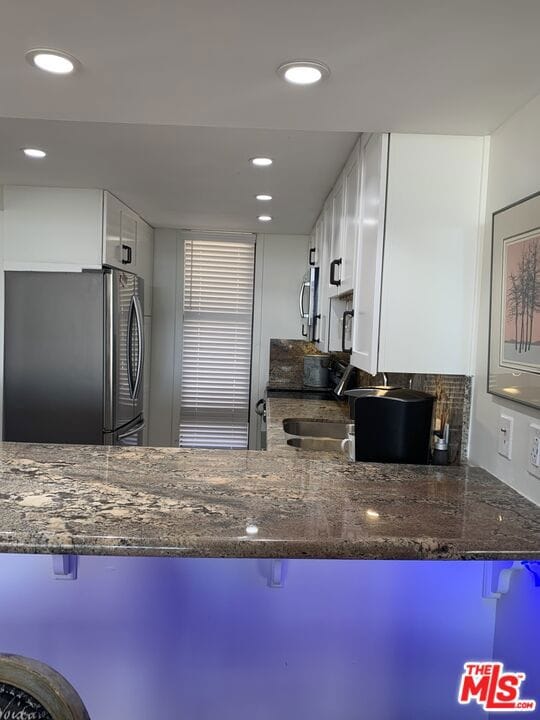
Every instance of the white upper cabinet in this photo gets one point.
(323, 232)
(71, 229)
(415, 283)
(52, 228)
(369, 258)
(120, 230)
(336, 259)
(400, 230)
(344, 201)
(349, 238)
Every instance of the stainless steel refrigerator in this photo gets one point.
(73, 357)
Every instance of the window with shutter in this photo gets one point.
(216, 342)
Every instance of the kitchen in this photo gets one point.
(199, 573)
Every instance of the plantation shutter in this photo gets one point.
(216, 343)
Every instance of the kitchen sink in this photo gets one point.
(316, 443)
(325, 429)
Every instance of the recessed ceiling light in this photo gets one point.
(263, 197)
(52, 61)
(303, 72)
(34, 152)
(261, 161)
(264, 218)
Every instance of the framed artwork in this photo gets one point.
(514, 348)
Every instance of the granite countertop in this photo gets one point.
(284, 503)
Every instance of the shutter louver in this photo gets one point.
(216, 354)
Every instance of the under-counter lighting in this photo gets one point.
(303, 72)
(512, 390)
(263, 198)
(251, 529)
(56, 62)
(372, 514)
(261, 161)
(34, 152)
(264, 218)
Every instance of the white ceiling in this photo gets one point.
(445, 66)
(192, 177)
(404, 65)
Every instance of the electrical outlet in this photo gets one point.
(506, 427)
(534, 450)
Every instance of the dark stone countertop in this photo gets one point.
(283, 503)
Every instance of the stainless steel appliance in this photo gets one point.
(316, 371)
(73, 357)
(309, 316)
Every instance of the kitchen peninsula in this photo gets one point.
(280, 503)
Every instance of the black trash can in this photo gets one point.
(394, 426)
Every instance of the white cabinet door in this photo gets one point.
(336, 259)
(369, 260)
(340, 324)
(120, 234)
(435, 192)
(52, 229)
(112, 219)
(145, 261)
(325, 234)
(350, 222)
(129, 223)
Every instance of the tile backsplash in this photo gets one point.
(452, 392)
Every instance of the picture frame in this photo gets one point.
(514, 333)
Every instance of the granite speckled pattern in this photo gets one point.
(171, 502)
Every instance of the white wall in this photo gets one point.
(514, 173)
(167, 292)
(281, 260)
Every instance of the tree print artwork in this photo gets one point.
(520, 344)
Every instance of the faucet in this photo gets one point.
(342, 385)
(385, 379)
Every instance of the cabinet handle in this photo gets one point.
(126, 254)
(316, 319)
(346, 314)
(312, 252)
(304, 333)
(333, 265)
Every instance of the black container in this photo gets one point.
(393, 426)
(363, 391)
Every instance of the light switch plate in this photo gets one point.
(506, 427)
(533, 465)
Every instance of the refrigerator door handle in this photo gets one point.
(133, 431)
(140, 356)
(131, 382)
